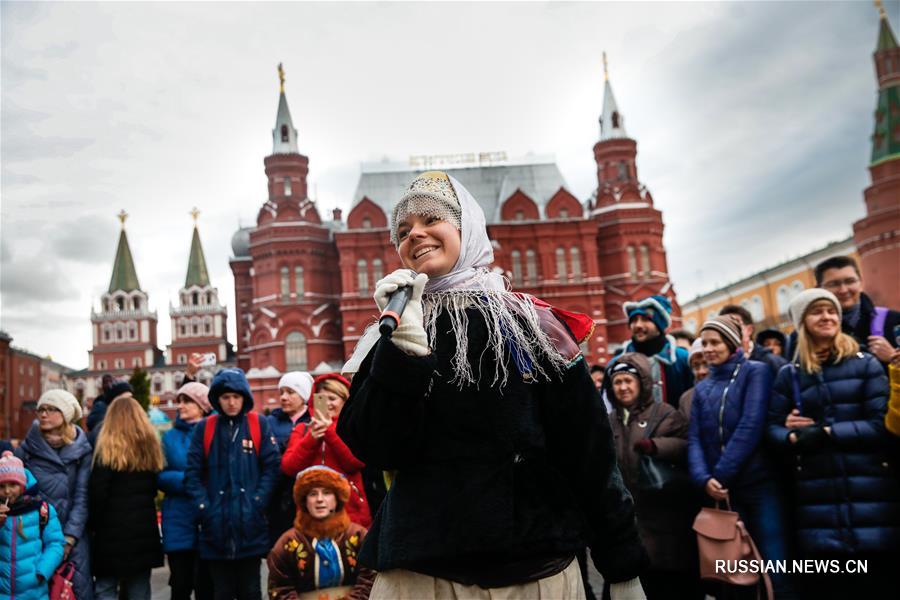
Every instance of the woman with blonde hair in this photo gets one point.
(58, 454)
(827, 415)
(126, 544)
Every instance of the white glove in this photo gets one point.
(410, 333)
(627, 590)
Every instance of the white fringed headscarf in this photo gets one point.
(511, 319)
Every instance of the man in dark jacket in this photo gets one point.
(876, 329)
(648, 320)
(753, 351)
(230, 478)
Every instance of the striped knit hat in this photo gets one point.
(729, 327)
(12, 470)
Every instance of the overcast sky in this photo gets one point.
(752, 121)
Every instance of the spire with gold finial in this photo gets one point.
(284, 136)
(886, 39)
(197, 273)
(124, 276)
(612, 123)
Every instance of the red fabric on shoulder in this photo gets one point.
(209, 432)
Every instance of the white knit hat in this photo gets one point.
(64, 402)
(299, 381)
(803, 300)
(696, 348)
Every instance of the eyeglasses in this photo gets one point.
(47, 409)
(838, 283)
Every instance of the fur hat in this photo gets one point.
(12, 470)
(64, 402)
(656, 308)
(198, 394)
(326, 477)
(299, 381)
(802, 301)
(729, 327)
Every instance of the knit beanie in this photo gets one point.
(62, 401)
(729, 327)
(299, 381)
(117, 389)
(656, 308)
(198, 393)
(802, 301)
(12, 470)
(334, 383)
(696, 348)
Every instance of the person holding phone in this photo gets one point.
(827, 416)
(319, 444)
(483, 404)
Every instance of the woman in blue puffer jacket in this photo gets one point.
(58, 453)
(827, 417)
(31, 538)
(187, 572)
(725, 453)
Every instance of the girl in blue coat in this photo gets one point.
(58, 453)
(179, 516)
(725, 453)
(31, 538)
(827, 419)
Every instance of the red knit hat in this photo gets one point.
(343, 382)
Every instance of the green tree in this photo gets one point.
(140, 383)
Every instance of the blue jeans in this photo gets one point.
(762, 510)
(136, 587)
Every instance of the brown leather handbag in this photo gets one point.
(721, 535)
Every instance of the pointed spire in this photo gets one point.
(197, 273)
(284, 136)
(886, 39)
(612, 123)
(124, 276)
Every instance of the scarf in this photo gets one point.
(512, 320)
(651, 346)
(328, 564)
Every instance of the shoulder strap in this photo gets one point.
(209, 432)
(255, 434)
(876, 325)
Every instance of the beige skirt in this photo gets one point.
(398, 584)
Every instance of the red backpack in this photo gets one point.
(209, 431)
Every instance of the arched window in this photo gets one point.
(645, 260)
(615, 119)
(691, 325)
(377, 270)
(285, 283)
(561, 264)
(623, 171)
(632, 261)
(362, 276)
(564, 213)
(120, 303)
(783, 298)
(516, 267)
(520, 215)
(137, 304)
(209, 297)
(366, 223)
(132, 331)
(195, 298)
(575, 255)
(287, 186)
(531, 266)
(295, 351)
(298, 281)
(207, 325)
(284, 133)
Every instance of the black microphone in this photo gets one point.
(390, 316)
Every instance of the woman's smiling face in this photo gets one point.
(428, 245)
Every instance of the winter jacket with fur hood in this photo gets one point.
(487, 481)
(232, 486)
(847, 497)
(63, 477)
(664, 522)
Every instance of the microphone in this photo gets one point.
(390, 316)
